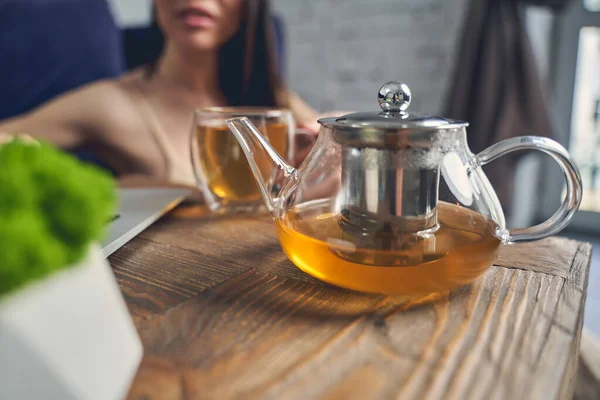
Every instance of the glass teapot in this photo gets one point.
(394, 202)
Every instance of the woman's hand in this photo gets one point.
(308, 127)
(304, 141)
(6, 137)
(306, 135)
(313, 126)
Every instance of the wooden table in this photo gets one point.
(223, 314)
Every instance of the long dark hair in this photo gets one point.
(248, 66)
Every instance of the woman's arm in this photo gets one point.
(71, 119)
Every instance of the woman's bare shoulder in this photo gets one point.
(110, 105)
(110, 94)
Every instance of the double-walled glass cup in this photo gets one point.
(222, 171)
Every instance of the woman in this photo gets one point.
(216, 53)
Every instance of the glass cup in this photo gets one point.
(222, 171)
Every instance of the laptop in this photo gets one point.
(139, 208)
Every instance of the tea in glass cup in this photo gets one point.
(220, 166)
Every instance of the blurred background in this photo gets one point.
(453, 55)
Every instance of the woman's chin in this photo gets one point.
(198, 42)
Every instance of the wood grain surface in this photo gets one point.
(224, 315)
(588, 373)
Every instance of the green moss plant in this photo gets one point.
(52, 207)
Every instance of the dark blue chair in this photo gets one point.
(52, 46)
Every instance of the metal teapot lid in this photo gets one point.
(394, 99)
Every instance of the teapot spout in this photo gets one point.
(272, 173)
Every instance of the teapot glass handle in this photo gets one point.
(572, 200)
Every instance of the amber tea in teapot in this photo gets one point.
(365, 210)
(462, 248)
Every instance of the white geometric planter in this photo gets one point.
(69, 336)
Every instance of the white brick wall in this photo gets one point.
(339, 52)
(131, 12)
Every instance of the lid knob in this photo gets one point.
(394, 97)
